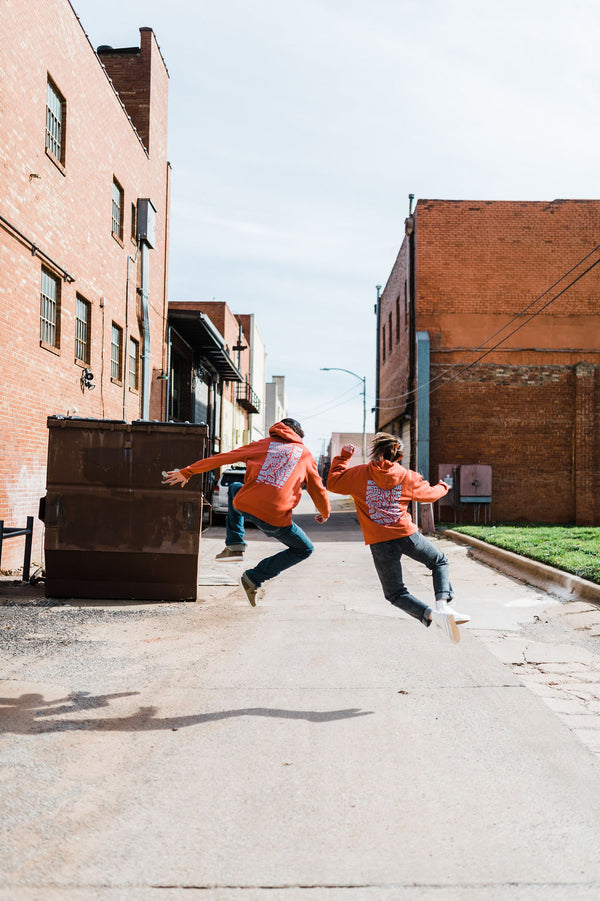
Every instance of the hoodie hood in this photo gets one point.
(282, 432)
(386, 474)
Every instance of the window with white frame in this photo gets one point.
(55, 122)
(117, 210)
(49, 308)
(82, 329)
(134, 364)
(116, 353)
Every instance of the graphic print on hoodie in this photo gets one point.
(383, 503)
(279, 463)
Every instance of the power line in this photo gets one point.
(442, 376)
(514, 331)
(338, 397)
(333, 407)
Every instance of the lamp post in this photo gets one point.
(362, 379)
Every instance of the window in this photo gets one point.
(117, 210)
(116, 353)
(398, 319)
(383, 343)
(55, 122)
(49, 309)
(82, 329)
(134, 364)
(133, 222)
(390, 332)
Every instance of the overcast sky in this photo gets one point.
(297, 129)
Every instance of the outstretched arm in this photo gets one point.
(341, 480)
(317, 492)
(182, 476)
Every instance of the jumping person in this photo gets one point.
(276, 468)
(381, 490)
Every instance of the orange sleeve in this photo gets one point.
(316, 489)
(342, 480)
(418, 489)
(235, 456)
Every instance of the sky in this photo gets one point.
(298, 128)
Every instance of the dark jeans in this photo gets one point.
(299, 547)
(234, 524)
(387, 557)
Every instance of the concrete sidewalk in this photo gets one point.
(320, 746)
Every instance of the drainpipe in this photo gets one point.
(409, 226)
(377, 312)
(126, 348)
(146, 240)
(145, 333)
(168, 378)
(423, 368)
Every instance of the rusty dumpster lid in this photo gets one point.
(141, 425)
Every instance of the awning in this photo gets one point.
(202, 336)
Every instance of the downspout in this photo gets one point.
(168, 379)
(377, 312)
(126, 348)
(145, 331)
(166, 292)
(410, 298)
(146, 240)
(423, 368)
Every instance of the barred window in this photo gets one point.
(49, 308)
(134, 364)
(82, 329)
(117, 210)
(116, 353)
(55, 122)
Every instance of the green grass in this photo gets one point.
(574, 549)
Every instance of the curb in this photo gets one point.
(562, 584)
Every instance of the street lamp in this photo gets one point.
(362, 379)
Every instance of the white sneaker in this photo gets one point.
(459, 618)
(446, 623)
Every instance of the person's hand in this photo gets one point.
(349, 448)
(320, 518)
(174, 477)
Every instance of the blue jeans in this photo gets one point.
(387, 556)
(299, 547)
(234, 524)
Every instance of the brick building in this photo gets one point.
(217, 371)
(489, 351)
(84, 195)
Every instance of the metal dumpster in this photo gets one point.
(113, 531)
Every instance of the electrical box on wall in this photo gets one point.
(447, 473)
(475, 484)
(146, 221)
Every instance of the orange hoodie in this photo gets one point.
(276, 467)
(381, 492)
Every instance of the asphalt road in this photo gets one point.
(319, 746)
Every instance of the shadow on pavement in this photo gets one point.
(28, 715)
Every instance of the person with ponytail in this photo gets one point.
(382, 490)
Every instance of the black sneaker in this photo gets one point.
(249, 589)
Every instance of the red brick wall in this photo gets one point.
(66, 212)
(394, 363)
(530, 407)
